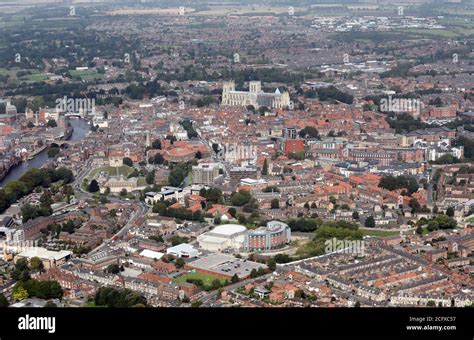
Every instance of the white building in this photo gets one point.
(183, 250)
(223, 237)
(166, 193)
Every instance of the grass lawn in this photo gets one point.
(142, 182)
(445, 33)
(91, 304)
(87, 74)
(34, 77)
(205, 278)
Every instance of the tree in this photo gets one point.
(36, 263)
(272, 264)
(275, 203)
(370, 222)
(156, 144)
(265, 168)
(240, 198)
(113, 268)
(179, 263)
(450, 212)
(68, 191)
(234, 278)
(158, 159)
(198, 155)
(19, 293)
(3, 301)
(419, 230)
(123, 192)
(357, 304)
(93, 186)
(127, 161)
(309, 131)
(355, 215)
(150, 177)
(216, 284)
(232, 212)
(414, 205)
(52, 152)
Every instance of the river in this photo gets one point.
(81, 127)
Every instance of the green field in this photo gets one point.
(142, 182)
(444, 33)
(205, 278)
(87, 74)
(35, 76)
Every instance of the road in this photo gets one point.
(142, 211)
(80, 193)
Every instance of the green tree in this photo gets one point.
(127, 161)
(234, 278)
(232, 212)
(156, 144)
(150, 177)
(370, 222)
(450, 212)
(19, 293)
(355, 215)
(3, 301)
(179, 263)
(113, 268)
(275, 203)
(36, 263)
(265, 168)
(216, 284)
(94, 186)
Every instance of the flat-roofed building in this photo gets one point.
(227, 236)
(183, 250)
(49, 258)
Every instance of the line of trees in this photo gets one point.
(16, 189)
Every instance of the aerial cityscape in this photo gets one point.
(288, 153)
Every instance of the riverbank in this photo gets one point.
(78, 129)
(36, 152)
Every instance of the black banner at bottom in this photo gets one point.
(248, 323)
